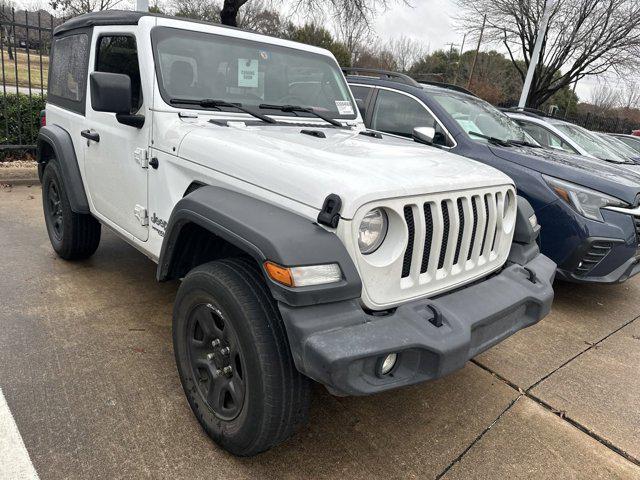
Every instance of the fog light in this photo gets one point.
(388, 363)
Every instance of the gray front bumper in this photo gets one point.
(341, 346)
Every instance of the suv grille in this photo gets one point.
(452, 238)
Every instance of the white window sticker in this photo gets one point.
(344, 107)
(247, 73)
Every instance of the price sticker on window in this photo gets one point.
(247, 73)
(344, 107)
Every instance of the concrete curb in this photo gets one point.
(19, 181)
(19, 176)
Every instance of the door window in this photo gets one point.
(361, 95)
(119, 54)
(399, 114)
(68, 72)
(545, 137)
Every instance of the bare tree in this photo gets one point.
(352, 27)
(77, 7)
(363, 8)
(604, 97)
(629, 95)
(585, 37)
(407, 51)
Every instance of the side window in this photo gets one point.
(68, 71)
(361, 94)
(119, 54)
(545, 137)
(399, 114)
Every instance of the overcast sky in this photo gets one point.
(432, 23)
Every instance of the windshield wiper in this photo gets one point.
(523, 143)
(210, 103)
(296, 108)
(494, 140)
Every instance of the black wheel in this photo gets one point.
(73, 235)
(234, 360)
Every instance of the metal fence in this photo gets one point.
(25, 42)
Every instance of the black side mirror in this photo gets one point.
(111, 92)
(424, 135)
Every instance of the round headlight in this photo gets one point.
(372, 231)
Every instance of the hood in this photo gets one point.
(616, 179)
(307, 168)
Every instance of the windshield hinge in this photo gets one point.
(141, 156)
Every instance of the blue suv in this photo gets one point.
(589, 209)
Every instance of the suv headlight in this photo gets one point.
(372, 231)
(583, 200)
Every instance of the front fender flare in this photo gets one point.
(265, 232)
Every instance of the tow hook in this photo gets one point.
(532, 275)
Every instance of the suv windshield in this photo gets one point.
(477, 116)
(593, 145)
(196, 65)
(621, 148)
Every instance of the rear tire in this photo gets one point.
(73, 235)
(250, 397)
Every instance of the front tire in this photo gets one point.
(234, 360)
(73, 235)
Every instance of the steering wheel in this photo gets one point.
(291, 100)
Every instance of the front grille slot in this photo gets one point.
(460, 231)
(474, 211)
(406, 263)
(636, 222)
(445, 232)
(428, 237)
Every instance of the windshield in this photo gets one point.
(196, 65)
(619, 147)
(592, 144)
(477, 116)
(631, 142)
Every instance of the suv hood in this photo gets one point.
(306, 168)
(618, 180)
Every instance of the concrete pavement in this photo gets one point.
(87, 369)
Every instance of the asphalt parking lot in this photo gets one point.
(87, 371)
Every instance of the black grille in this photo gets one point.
(460, 231)
(445, 233)
(636, 222)
(475, 225)
(406, 263)
(428, 237)
(594, 255)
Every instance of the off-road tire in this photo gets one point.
(74, 236)
(232, 292)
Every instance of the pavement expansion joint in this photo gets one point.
(477, 439)
(559, 413)
(591, 346)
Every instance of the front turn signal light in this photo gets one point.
(304, 276)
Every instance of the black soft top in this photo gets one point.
(117, 17)
(106, 17)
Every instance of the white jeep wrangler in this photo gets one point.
(308, 247)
